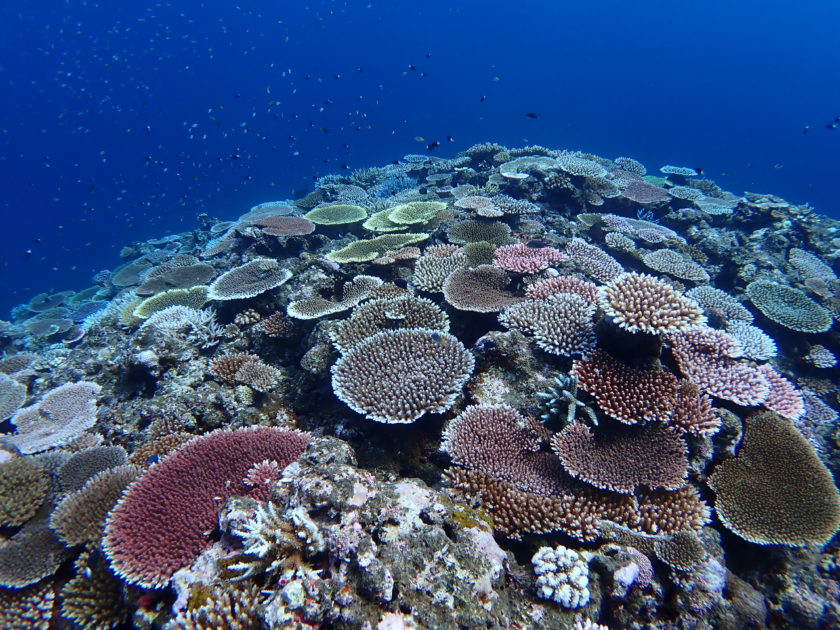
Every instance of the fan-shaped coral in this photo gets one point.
(79, 517)
(622, 457)
(61, 415)
(398, 376)
(776, 491)
(249, 280)
(628, 395)
(374, 316)
(23, 487)
(161, 522)
(788, 307)
(337, 214)
(481, 289)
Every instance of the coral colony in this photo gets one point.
(519, 388)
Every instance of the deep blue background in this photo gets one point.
(120, 120)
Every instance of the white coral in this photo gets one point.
(562, 576)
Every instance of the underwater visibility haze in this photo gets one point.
(412, 315)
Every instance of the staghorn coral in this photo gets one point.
(398, 376)
(623, 457)
(593, 261)
(79, 517)
(223, 608)
(160, 524)
(248, 280)
(628, 395)
(788, 307)
(562, 324)
(23, 487)
(278, 539)
(776, 491)
(562, 576)
(479, 289)
(29, 608)
(407, 311)
(61, 415)
(638, 302)
(184, 325)
(520, 258)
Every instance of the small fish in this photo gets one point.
(699, 170)
(831, 125)
(482, 98)
(432, 145)
(532, 115)
(450, 139)
(806, 129)
(412, 67)
(536, 244)
(438, 339)
(403, 284)
(153, 459)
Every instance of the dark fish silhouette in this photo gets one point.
(432, 145)
(532, 115)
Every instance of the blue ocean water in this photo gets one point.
(123, 121)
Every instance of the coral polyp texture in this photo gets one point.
(638, 302)
(626, 394)
(586, 353)
(160, 524)
(398, 376)
(248, 280)
(776, 491)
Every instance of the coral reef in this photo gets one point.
(498, 390)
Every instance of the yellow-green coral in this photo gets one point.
(379, 222)
(194, 297)
(336, 214)
(366, 250)
(415, 212)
